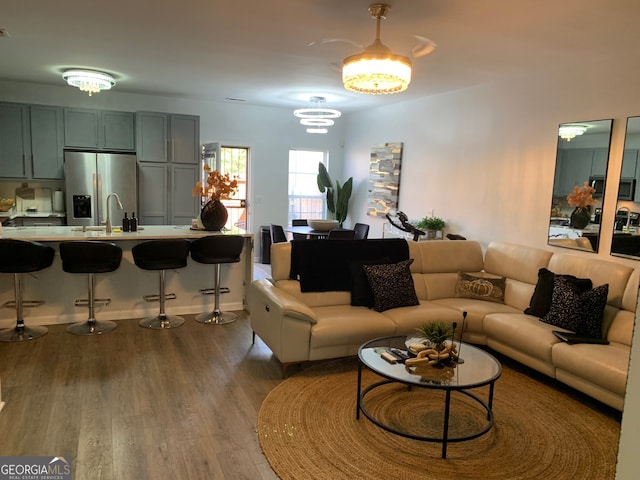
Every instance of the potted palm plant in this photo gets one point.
(337, 196)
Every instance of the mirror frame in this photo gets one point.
(580, 158)
(625, 241)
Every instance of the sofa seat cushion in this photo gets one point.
(408, 319)
(522, 332)
(602, 365)
(347, 325)
(476, 311)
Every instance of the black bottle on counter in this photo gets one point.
(133, 222)
(126, 223)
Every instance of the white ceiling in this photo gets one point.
(258, 51)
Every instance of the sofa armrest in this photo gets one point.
(283, 322)
(269, 297)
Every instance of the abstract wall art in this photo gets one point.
(383, 188)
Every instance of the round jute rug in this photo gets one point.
(308, 430)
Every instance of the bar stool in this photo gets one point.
(217, 249)
(90, 257)
(18, 257)
(161, 255)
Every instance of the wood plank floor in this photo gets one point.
(139, 403)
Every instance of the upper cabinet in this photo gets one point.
(31, 141)
(47, 140)
(14, 139)
(99, 129)
(164, 137)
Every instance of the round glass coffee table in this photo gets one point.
(476, 368)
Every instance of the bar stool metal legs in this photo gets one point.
(216, 316)
(162, 320)
(92, 326)
(20, 257)
(21, 331)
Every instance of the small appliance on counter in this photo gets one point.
(34, 207)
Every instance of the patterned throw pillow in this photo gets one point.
(392, 285)
(480, 287)
(579, 312)
(540, 302)
(361, 294)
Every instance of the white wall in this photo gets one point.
(269, 132)
(484, 159)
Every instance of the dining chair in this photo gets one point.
(299, 222)
(362, 231)
(341, 234)
(277, 233)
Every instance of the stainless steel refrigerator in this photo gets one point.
(90, 177)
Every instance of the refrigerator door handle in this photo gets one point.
(97, 181)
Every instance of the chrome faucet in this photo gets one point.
(108, 222)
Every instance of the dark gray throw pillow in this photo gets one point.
(579, 312)
(540, 302)
(392, 285)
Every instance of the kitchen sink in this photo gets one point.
(88, 229)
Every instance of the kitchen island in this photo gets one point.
(127, 285)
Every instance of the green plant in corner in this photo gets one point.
(437, 333)
(338, 196)
(431, 223)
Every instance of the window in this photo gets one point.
(305, 200)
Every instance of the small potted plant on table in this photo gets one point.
(433, 226)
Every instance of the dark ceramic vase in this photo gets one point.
(213, 215)
(580, 217)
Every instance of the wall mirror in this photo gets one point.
(581, 162)
(626, 241)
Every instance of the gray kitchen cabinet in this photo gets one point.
(165, 137)
(599, 162)
(575, 168)
(14, 139)
(184, 205)
(47, 142)
(156, 207)
(152, 193)
(99, 129)
(629, 163)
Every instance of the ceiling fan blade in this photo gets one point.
(333, 40)
(424, 47)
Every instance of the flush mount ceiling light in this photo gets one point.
(317, 116)
(569, 132)
(377, 70)
(89, 81)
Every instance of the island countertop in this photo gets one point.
(145, 232)
(128, 285)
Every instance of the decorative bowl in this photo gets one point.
(323, 225)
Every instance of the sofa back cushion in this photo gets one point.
(520, 265)
(599, 271)
(437, 263)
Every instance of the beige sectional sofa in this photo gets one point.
(299, 326)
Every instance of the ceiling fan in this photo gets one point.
(377, 70)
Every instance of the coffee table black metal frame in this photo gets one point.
(478, 370)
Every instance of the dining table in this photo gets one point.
(308, 231)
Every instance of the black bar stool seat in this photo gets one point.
(161, 255)
(19, 257)
(215, 250)
(90, 257)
